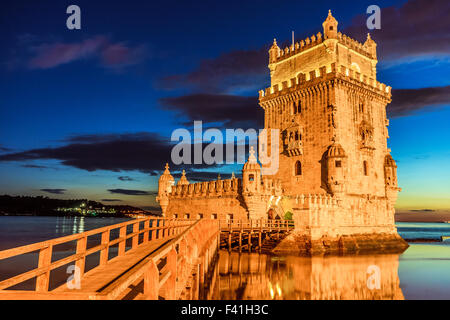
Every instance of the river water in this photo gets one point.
(421, 272)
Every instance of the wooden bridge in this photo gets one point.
(253, 234)
(148, 258)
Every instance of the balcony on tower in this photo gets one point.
(293, 145)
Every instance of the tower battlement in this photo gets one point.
(317, 39)
(321, 75)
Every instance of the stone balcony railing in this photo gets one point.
(367, 144)
(294, 148)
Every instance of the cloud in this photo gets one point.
(408, 101)
(34, 166)
(54, 191)
(145, 152)
(111, 200)
(416, 29)
(125, 178)
(118, 55)
(231, 110)
(4, 149)
(50, 55)
(110, 54)
(132, 192)
(239, 70)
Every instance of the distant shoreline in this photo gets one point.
(2, 214)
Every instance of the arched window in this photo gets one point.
(251, 177)
(298, 168)
(299, 107)
(366, 168)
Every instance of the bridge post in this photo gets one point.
(240, 241)
(201, 275)
(171, 284)
(104, 252)
(146, 226)
(135, 239)
(260, 234)
(164, 229)
(45, 258)
(151, 281)
(260, 240)
(195, 283)
(81, 249)
(122, 234)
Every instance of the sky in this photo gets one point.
(89, 113)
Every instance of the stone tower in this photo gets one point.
(334, 164)
(335, 175)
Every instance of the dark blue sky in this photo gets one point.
(89, 112)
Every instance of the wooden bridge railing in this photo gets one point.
(188, 255)
(143, 230)
(257, 224)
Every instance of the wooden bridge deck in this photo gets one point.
(99, 278)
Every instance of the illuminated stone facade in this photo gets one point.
(336, 174)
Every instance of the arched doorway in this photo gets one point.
(271, 214)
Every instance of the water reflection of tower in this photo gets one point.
(252, 276)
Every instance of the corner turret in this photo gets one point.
(183, 180)
(337, 169)
(330, 27)
(371, 46)
(165, 183)
(274, 51)
(251, 174)
(251, 187)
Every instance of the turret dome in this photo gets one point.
(252, 163)
(183, 180)
(336, 151)
(166, 176)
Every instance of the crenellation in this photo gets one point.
(321, 74)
